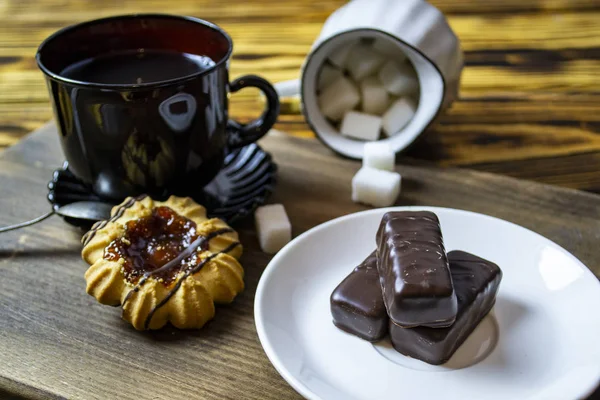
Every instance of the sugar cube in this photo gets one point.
(328, 75)
(340, 96)
(363, 61)
(375, 187)
(361, 126)
(399, 79)
(273, 227)
(379, 155)
(397, 116)
(389, 48)
(339, 56)
(375, 99)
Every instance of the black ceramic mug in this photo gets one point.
(141, 103)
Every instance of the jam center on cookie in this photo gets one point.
(151, 242)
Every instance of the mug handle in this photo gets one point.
(240, 135)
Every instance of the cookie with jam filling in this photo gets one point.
(163, 262)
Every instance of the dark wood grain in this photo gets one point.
(58, 342)
(512, 6)
(530, 94)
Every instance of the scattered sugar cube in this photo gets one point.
(379, 155)
(375, 187)
(273, 227)
(399, 79)
(397, 116)
(289, 88)
(340, 96)
(363, 61)
(361, 126)
(375, 99)
(340, 55)
(328, 75)
(389, 49)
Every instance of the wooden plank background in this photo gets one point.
(530, 104)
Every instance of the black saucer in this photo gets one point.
(247, 179)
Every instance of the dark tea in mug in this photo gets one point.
(137, 66)
(141, 103)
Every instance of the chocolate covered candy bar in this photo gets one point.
(476, 283)
(413, 269)
(356, 304)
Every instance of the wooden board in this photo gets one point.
(56, 341)
(530, 93)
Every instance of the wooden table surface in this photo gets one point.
(58, 342)
(530, 95)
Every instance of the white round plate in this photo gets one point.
(546, 318)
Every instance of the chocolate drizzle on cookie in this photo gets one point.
(151, 240)
(188, 252)
(118, 214)
(200, 242)
(163, 246)
(189, 272)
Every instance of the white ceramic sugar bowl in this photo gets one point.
(417, 31)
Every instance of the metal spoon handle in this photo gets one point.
(27, 223)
